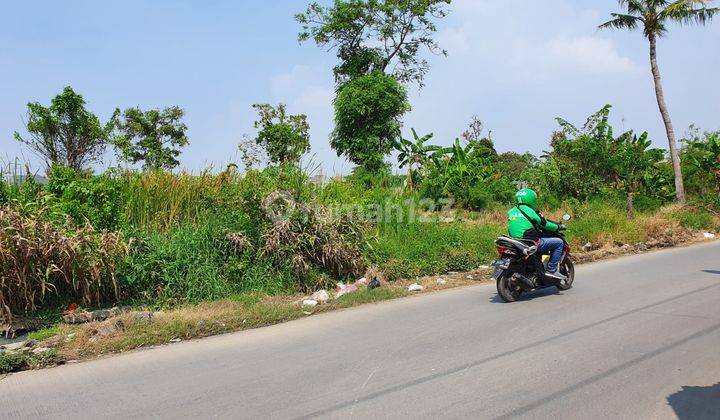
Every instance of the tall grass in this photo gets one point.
(37, 257)
(162, 200)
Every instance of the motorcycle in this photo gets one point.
(521, 268)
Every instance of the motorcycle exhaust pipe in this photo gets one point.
(524, 281)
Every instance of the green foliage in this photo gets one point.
(432, 247)
(367, 119)
(374, 35)
(701, 156)
(466, 174)
(86, 198)
(194, 263)
(653, 16)
(15, 362)
(152, 137)
(65, 132)
(589, 161)
(285, 138)
(696, 218)
(44, 333)
(414, 154)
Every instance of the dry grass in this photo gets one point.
(312, 237)
(37, 258)
(129, 331)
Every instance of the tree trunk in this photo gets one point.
(679, 187)
(630, 205)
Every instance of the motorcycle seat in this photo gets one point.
(526, 246)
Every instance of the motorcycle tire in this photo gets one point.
(507, 291)
(568, 269)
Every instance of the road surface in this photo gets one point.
(638, 337)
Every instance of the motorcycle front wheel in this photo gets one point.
(568, 269)
(508, 290)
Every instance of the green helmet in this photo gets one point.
(526, 196)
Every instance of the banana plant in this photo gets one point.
(704, 154)
(413, 154)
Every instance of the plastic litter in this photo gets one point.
(441, 281)
(321, 296)
(470, 277)
(374, 284)
(361, 281)
(344, 289)
(484, 267)
(415, 288)
(708, 235)
(310, 302)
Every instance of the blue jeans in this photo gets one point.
(554, 247)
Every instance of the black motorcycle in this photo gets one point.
(521, 268)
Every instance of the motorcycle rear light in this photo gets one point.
(502, 250)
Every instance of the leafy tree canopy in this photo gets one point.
(64, 133)
(153, 137)
(285, 138)
(375, 35)
(367, 119)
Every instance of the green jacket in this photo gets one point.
(528, 225)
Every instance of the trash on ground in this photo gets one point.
(361, 281)
(344, 289)
(708, 235)
(415, 288)
(321, 296)
(374, 284)
(310, 302)
(587, 247)
(470, 277)
(175, 340)
(484, 267)
(441, 281)
(307, 313)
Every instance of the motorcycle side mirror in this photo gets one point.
(566, 217)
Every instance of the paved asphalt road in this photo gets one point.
(638, 337)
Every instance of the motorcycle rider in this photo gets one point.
(525, 222)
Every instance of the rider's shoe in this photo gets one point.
(556, 275)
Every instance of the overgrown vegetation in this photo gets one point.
(235, 248)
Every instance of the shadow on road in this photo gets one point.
(696, 402)
(530, 295)
(711, 271)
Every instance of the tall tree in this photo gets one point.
(375, 35)
(153, 137)
(653, 17)
(64, 133)
(285, 138)
(367, 119)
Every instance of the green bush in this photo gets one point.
(84, 197)
(13, 362)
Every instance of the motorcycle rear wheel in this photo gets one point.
(508, 291)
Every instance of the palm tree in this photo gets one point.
(414, 154)
(653, 16)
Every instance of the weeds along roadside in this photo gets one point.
(194, 238)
